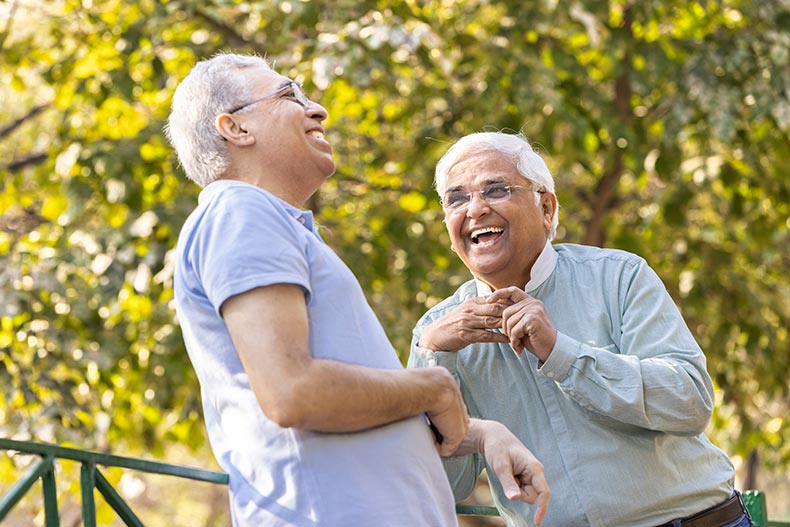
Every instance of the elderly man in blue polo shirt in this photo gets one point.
(306, 403)
(579, 350)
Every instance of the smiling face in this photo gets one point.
(285, 148)
(499, 241)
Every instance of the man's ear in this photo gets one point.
(232, 131)
(548, 203)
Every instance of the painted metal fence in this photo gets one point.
(91, 478)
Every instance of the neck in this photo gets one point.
(280, 185)
(501, 282)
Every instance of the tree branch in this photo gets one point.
(32, 159)
(229, 34)
(9, 128)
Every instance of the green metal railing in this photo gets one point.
(91, 478)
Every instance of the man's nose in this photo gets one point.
(477, 206)
(316, 111)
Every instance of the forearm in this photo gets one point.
(294, 389)
(331, 396)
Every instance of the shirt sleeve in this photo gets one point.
(654, 378)
(245, 242)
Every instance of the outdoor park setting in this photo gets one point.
(666, 125)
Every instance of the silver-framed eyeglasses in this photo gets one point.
(459, 199)
(297, 95)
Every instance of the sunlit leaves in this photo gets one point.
(666, 127)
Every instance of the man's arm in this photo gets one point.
(269, 329)
(656, 379)
(519, 472)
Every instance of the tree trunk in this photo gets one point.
(750, 470)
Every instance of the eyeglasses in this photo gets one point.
(457, 200)
(297, 94)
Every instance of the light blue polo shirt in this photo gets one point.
(241, 237)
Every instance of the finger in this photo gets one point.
(489, 311)
(491, 336)
(509, 485)
(520, 326)
(512, 316)
(544, 495)
(512, 294)
(448, 446)
(514, 328)
(490, 322)
(528, 494)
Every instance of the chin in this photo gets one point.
(328, 168)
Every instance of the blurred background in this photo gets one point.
(665, 123)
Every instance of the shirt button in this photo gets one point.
(432, 362)
(550, 374)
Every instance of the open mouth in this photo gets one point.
(318, 134)
(486, 234)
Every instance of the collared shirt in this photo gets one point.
(241, 237)
(616, 413)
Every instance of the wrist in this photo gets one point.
(480, 431)
(437, 388)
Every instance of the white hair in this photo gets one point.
(515, 147)
(212, 87)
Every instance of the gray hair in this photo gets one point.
(515, 147)
(212, 87)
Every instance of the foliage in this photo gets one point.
(666, 125)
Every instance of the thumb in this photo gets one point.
(510, 487)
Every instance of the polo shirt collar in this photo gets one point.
(304, 217)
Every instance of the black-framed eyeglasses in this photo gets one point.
(456, 200)
(297, 94)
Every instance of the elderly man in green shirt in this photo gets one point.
(579, 350)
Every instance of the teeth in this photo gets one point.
(485, 230)
(316, 134)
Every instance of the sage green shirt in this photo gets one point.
(616, 414)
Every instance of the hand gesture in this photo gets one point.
(518, 471)
(525, 322)
(468, 323)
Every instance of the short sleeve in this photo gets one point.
(247, 239)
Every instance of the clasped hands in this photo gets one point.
(522, 319)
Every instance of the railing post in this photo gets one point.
(87, 484)
(755, 503)
(50, 494)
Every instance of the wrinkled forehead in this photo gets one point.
(479, 167)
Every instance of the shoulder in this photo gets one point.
(614, 268)
(226, 208)
(590, 255)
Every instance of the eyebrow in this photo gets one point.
(487, 182)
